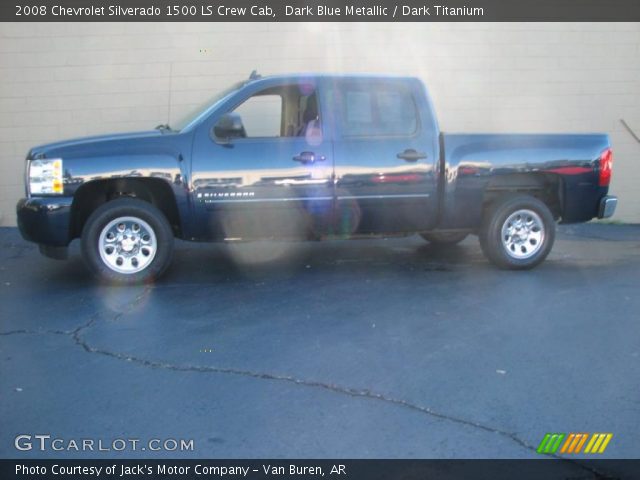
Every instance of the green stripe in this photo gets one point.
(550, 443)
(558, 442)
(543, 442)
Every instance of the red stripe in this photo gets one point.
(570, 170)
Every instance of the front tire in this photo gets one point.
(127, 241)
(517, 232)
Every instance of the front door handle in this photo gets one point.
(309, 157)
(410, 155)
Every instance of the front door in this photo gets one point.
(275, 179)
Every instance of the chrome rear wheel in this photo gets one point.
(517, 231)
(523, 234)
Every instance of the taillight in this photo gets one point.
(606, 163)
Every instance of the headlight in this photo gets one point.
(45, 177)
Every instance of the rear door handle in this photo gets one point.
(410, 155)
(309, 157)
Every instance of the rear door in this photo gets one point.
(385, 154)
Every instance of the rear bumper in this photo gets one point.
(607, 206)
(45, 220)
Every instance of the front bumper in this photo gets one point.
(607, 207)
(45, 220)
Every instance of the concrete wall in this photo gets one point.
(67, 80)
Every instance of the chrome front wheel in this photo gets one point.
(127, 241)
(127, 245)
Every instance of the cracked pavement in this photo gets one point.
(343, 349)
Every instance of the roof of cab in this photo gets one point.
(317, 76)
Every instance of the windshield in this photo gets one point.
(202, 109)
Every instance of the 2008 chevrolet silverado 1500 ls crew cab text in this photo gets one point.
(309, 156)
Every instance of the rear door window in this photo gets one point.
(377, 109)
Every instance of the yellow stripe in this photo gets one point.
(596, 445)
(582, 440)
(606, 442)
(566, 444)
(591, 442)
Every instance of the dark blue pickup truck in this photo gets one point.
(309, 157)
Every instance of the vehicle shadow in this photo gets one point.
(212, 263)
(205, 263)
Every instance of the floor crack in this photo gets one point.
(353, 392)
(76, 335)
(25, 331)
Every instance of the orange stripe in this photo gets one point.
(566, 444)
(574, 443)
(584, 439)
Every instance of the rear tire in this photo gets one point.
(444, 238)
(517, 232)
(127, 241)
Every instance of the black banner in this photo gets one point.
(319, 10)
(547, 469)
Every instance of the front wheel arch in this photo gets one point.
(93, 194)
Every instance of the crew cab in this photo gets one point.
(309, 157)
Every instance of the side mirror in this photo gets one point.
(228, 127)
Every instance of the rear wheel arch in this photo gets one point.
(546, 187)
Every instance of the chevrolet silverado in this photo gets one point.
(309, 157)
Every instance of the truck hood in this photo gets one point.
(87, 145)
